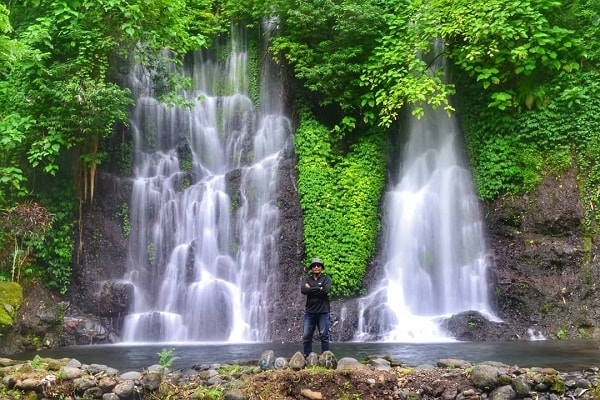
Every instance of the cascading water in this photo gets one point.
(203, 211)
(434, 249)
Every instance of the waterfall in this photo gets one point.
(204, 217)
(434, 252)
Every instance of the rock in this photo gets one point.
(214, 381)
(74, 363)
(206, 374)
(474, 326)
(328, 360)
(267, 359)
(82, 384)
(72, 372)
(380, 364)
(453, 363)
(312, 359)
(112, 298)
(124, 389)
(349, 363)
(233, 395)
(309, 394)
(583, 384)
(484, 376)
(93, 393)
(95, 368)
(151, 381)
(297, 361)
(280, 363)
(521, 386)
(131, 375)
(503, 393)
(107, 383)
(28, 384)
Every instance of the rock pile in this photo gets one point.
(317, 377)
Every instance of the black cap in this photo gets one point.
(317, 261)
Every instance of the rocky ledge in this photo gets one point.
(317, 377)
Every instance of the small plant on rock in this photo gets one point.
(165, 360)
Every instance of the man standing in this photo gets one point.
(316, 287)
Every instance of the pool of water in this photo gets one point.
(572, 355)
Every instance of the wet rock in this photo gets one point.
(474, 326)
(112, 299)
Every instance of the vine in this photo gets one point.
(339, 195)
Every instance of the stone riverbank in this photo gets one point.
(271, 377)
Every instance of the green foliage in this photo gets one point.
(24, 225)
(512, 154)
(11, 295)
(327, 44)
(397, 75)
(339, 195)
(165, 359)
(55, 253)
(36, 362)
(509, 48)
(208, 393)
(123, 214)
(60, 61)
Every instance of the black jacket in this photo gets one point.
(317, 296)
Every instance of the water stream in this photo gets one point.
(203, 212)
(434, 249)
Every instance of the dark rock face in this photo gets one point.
(472, 326)
(542, 273)
(96, 297)
(287, 304)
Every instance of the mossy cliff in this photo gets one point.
(11, 298)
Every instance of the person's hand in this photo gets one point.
(306, 285)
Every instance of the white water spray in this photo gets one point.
(204, 217)
(434, 249)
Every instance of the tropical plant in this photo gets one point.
(339, 194)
